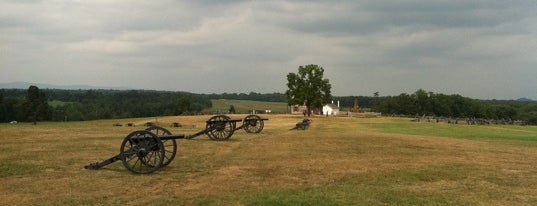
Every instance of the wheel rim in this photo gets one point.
(253, 124)
(142, 152)
(220, 127)
(170, 145)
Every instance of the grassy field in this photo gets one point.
(245, 106)
(338, 161)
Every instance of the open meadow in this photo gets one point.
(337, 161)
(246, 106)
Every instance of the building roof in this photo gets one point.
(332, 106)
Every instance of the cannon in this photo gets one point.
(302, 125)
(146, 151)
(222, 127)
(142, 152)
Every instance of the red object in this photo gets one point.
(355, 109)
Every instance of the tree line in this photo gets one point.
(29, 106)
(253, 96)
(73, 105)
(423, 103)
(76, 105)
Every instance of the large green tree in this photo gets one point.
(308, 87)
(37, 105)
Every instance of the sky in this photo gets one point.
(483, 49)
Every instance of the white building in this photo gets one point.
(331, 109)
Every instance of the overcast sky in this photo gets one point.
(477, 48)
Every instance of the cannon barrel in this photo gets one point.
(146, 151)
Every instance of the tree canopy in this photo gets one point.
(36, 104)
(308, 87)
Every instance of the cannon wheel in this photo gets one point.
(170, 145)
(253, 124)
(142, 152)
(220, 127)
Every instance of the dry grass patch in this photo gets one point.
(338, 161)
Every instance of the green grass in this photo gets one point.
(484, 132)
(389, 189)
(245, 106)
(11, 168)
(433, 185)
(292, 197)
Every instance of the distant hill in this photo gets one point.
(524, 100)
(25, 85)
(245, 106)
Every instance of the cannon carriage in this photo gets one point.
(146, 151)
(302, 125)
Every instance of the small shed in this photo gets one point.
(299, 109)
(330, 109)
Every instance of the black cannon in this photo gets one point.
(222, 127)
(146, 151)
(302, 125)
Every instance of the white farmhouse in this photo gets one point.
(330, 109)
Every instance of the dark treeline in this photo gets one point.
(272, 97)
(74, 105)
(425, 103)
(347, 102)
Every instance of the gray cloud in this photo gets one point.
(481, 49)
